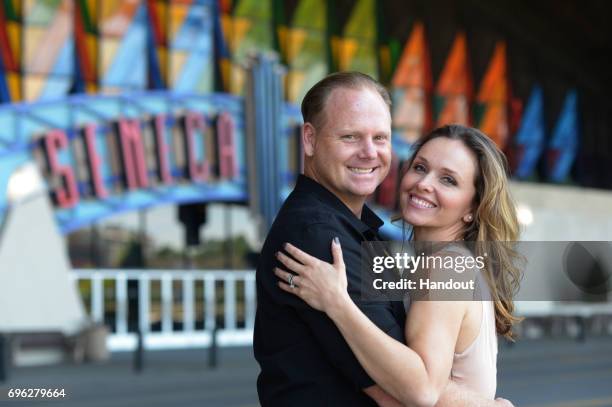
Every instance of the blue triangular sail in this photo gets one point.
(529, 140)
(563, 144)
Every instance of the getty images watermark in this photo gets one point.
(537, 271)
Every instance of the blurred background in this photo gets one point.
(146, 145)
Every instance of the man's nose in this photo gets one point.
(368, 149)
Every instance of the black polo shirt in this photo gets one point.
(304, 359)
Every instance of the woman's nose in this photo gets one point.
(424, 184)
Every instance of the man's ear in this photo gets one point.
(308, 139)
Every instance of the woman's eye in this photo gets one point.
(449, 180)
(419, 168)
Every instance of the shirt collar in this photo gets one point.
(369, 220)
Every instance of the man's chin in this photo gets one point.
(364, 191)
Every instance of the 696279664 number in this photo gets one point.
(35, 393)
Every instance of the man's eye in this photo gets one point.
(348, 137)
(381, 138)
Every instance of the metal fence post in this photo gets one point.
(212, 349)
(5, 357)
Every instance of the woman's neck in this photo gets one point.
(424, 234)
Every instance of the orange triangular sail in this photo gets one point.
(412, 88)
(492, 99)
(454, 88)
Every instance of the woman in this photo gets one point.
(455, 188)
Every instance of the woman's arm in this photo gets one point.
(412, 378)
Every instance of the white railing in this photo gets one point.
(168, 338)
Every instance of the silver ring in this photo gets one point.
(291, 276)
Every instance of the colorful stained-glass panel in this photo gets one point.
(305, 48)
(48, 49)
(191, 47)
(122, 44)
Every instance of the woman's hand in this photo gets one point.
(320, 284)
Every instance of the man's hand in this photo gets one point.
(500, 402)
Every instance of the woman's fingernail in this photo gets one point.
(336, 240)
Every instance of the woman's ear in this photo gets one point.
(308, 138)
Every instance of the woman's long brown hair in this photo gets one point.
(495, 227)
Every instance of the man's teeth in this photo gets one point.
(421, 202)
(361, 170)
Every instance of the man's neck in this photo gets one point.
(355, 207)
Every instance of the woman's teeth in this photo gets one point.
(421, 202)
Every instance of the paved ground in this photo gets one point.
(547, 373)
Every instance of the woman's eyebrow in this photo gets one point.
(455, 173)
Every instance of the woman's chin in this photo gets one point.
(414, 220)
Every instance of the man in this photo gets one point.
(347, 145)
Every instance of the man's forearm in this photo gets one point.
(455, 395)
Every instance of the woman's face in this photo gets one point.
(437, 192)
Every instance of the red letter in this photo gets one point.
(161, 149)
(93, 161)
(66, 195)
(226, 147)
(197, 172)
(132, 154)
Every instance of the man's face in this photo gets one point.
(350, 152)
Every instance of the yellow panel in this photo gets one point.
(33, 86)
(91, 87)
(162, 12)
(162, 53)
(335, 48)
(14, 85)
(108, 50)
(237, 80)
(295, 43)
(14, 34)
(295, 82)
(226, 70)
(17, 6)
(177, 16)
(240, 27)
(177, 61)
(346, 53)
(92, 6)
(226, 26)
(282, 32)
(109, 7)
(33, 37)
(91, 43)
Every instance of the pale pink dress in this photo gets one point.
(476, 367)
